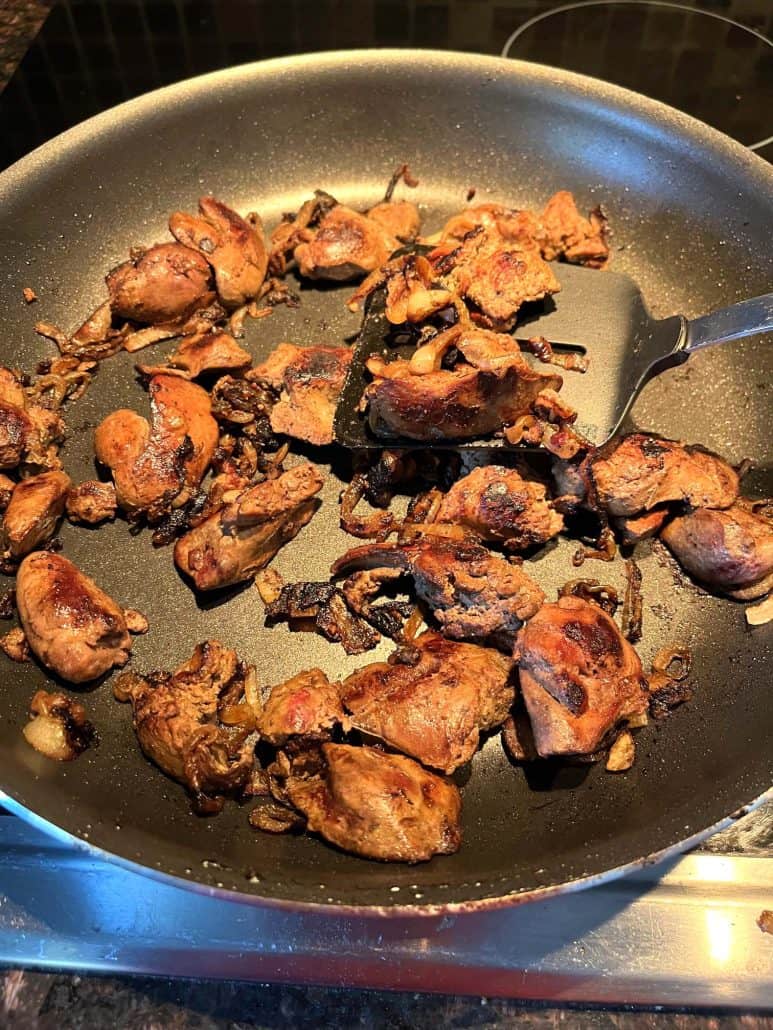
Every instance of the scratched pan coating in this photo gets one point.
(693, 219)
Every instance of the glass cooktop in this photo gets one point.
(713, 60)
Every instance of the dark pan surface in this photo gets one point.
(693, 220)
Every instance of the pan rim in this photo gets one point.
(576, 88)
(399, 910)
(541, 74)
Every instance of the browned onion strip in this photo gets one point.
(273, 292)
(418, 509)
(412, 625)
(423, 508)
(525, 429)
(60, 380)
(281, 454)
(145, 337)
(352, 495)
(543, 351)
(762, 507)
(252, 691)
(272, 817)
(591, 590)
(760, 614)
(666, 693)
(269, 584)
(664, 660)
(377, 526)
(632, 602)
(237, 715)
(604, 550)
(429, 356)
(236, 320)
(622, 753)
(743, 468)
(82, 347)
(58, 727)
(437, 500)
(401, 172)
(563, 441)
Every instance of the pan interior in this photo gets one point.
(262, 138)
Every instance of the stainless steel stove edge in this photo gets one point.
(680, 933)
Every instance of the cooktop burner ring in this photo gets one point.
(705, 17)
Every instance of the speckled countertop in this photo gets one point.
(50, 1001)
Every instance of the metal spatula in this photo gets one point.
(602, 314)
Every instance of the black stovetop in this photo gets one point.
(91, 54)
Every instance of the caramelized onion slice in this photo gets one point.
(58, 728)
(674, 662)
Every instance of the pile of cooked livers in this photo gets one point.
(212, 465)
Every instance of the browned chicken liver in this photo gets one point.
(232, 245)
(45, 436)
(11, 389)
(641, 472)
(492, 389)
(297, 228)
(494, 258)
(158, 465)
(177, 725)
(559, 232)
(15, 425)
(494, 274)
(91, 502)
(307, 706)
(378, 805)
(640, 527)
(346, 245)
(309, 380)
(473, 594)
(166, 283)
(30, 434)
(331, 241)
(72, 626)
(731, 550)
(207, 352)
(435, 706)
(15, 428)
(498, 504)
(515, 226)
(231, 545)
(6, 489)
(400, 218)
(579, 677)
(33, 513)
(564, 233)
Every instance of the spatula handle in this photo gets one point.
(733, 323)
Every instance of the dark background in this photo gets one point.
(91, 54)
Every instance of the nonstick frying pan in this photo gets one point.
(692, 213)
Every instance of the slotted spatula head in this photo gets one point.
(602, 314)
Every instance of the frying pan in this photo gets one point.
(692, 213)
